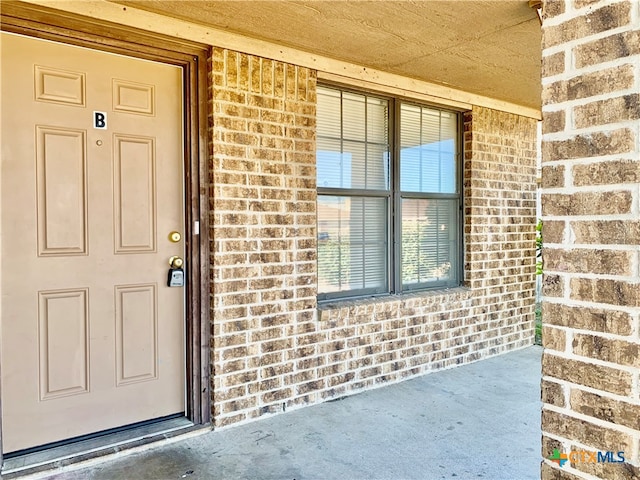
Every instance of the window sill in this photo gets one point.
(409, 298)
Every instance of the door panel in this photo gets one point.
(59, 86)
(136, 333)
(63, 340)
(61, 190)
(135, 194)
(92, 338)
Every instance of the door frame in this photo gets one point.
(49, 24)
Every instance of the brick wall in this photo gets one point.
(263, 230)
(273, 349)
(590, 175)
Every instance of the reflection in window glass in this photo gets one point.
(427, 150)
(352, 141)
(352, 244)
(376, 233)
(429, 246)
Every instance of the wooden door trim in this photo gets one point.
(49, 24)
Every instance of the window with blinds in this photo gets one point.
(388, 208)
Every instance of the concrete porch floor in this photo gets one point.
(475, 421)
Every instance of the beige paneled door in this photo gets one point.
(91, 188)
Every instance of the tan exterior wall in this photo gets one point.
(590, 201)
(273, 348)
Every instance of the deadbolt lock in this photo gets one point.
(175, 237)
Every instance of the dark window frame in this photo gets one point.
(394, 198)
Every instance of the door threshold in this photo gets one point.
(108, 444)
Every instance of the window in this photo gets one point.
(388, 195)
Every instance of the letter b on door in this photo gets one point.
(100, 120)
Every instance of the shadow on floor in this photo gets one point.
(472, 422)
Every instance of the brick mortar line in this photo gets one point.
(595, 276)
(606, 188)
(595, 391)
(285, 101)
(582, 40)
(581, 102)
(480, 185)
(567, 411)
(282, 176)
(614, 247)
(594, 361)
(571, 73)
(259, 135)
(604, 129)
(631, 338)
(590, 161)
(593, 218)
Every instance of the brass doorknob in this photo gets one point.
(175, 237)
(176, 262)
